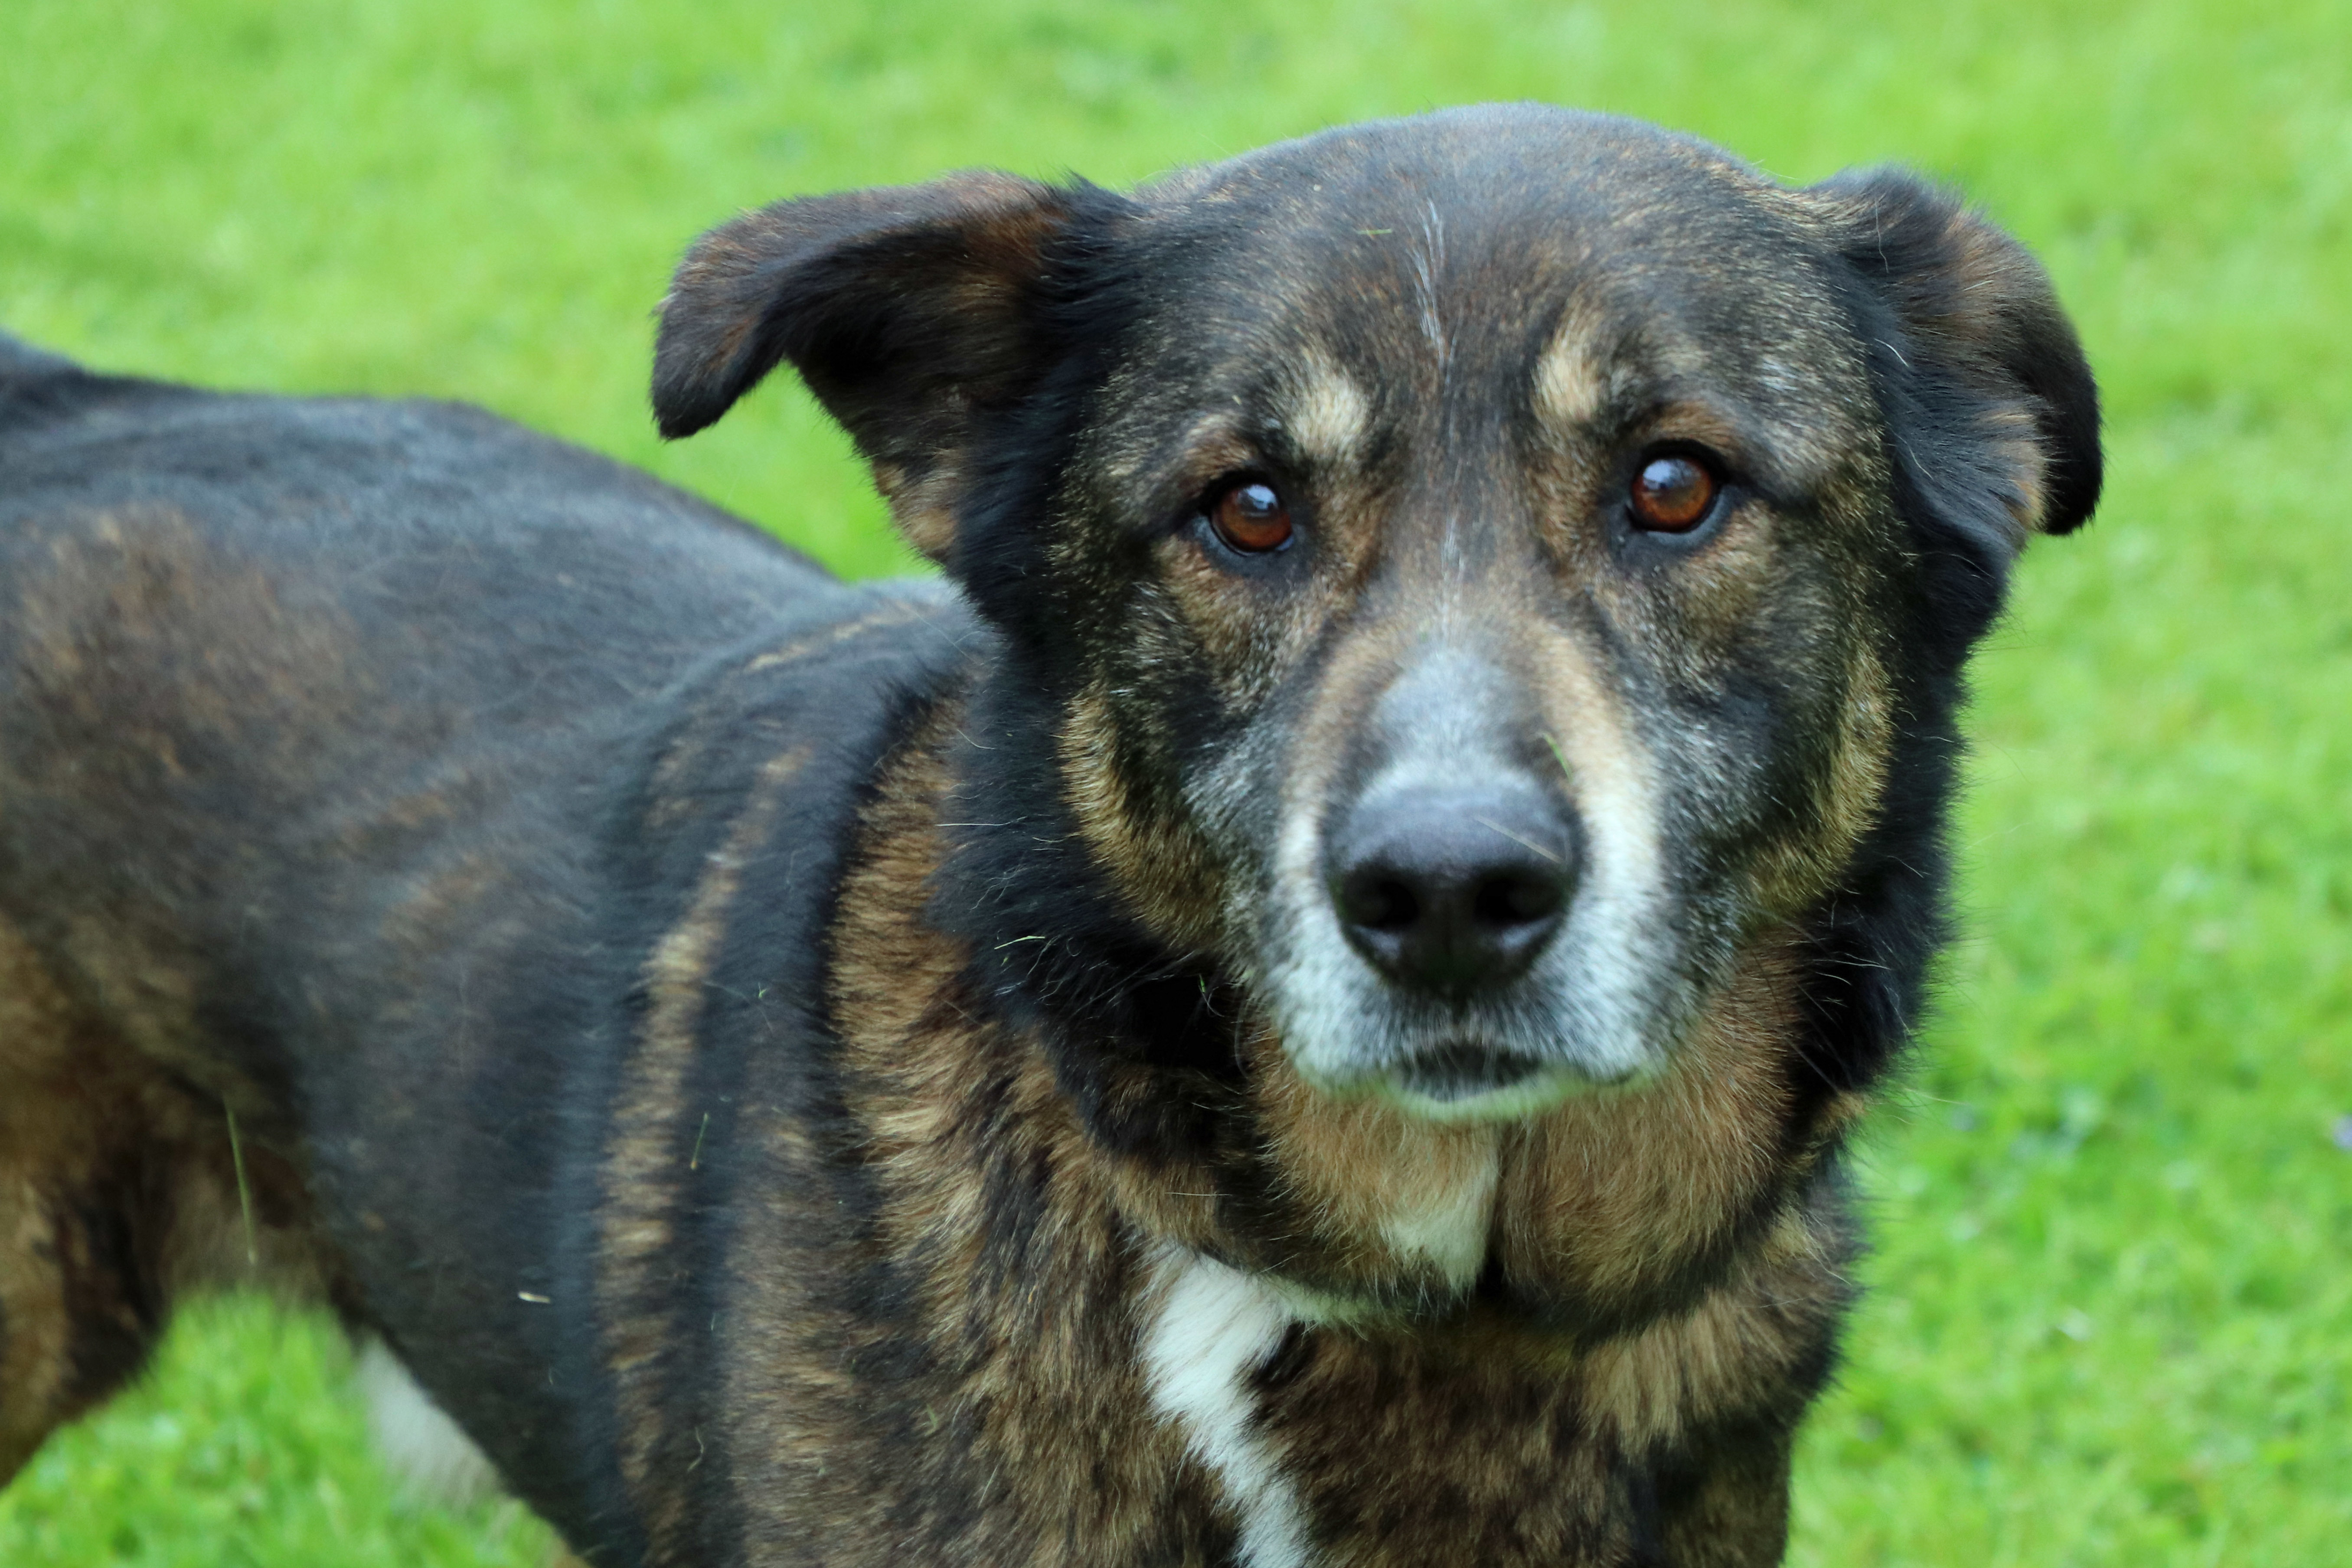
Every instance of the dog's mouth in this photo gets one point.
(1452, 1073)
(1467, 1082)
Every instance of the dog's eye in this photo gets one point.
(1250, 517)
(1673, 494)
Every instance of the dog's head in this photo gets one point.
(1465, 577)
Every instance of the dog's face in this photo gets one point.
(1481, 533)
(1477, 572)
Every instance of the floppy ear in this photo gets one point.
(1993, 403)
(906, 308)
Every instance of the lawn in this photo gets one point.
(2111, 1309)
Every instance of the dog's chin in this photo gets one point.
(1455, 1073)
(1469, 1082)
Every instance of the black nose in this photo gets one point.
(1452, 892)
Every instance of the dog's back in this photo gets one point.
(328, 729)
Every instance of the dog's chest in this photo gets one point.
(1326, 1444)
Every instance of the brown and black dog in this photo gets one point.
(1301, 1013)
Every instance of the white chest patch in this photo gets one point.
(1206, 1328)
(416, 1440)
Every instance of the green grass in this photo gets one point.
(246, 1447)
(2111, 1318)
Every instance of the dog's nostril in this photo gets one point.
(1514, 900)
(1452, 895)
(1377, 901)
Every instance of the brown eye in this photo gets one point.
(1251, 518)
(1673, 495)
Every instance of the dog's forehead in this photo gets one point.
(1507, 247)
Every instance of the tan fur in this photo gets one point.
(645, 1173)
(1447, 1441)
(1163, 870)
(1350, 677)
(1571, 380)
(2019, 447)
(674, 774)
(1607, 1196)
(1195, 601)
(1592, 736)
(1369, 1176)
(1797, 872)
(1728, 1357)
(1201, 603)
(1327, 413)
(923, 504)
(1039, 1365)
(890, 613)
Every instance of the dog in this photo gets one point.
(1300, 1009)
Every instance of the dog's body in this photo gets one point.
(1305, 1016)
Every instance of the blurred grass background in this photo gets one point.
(2111, 1315)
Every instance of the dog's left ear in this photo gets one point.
(905, 309)
(1985, 381)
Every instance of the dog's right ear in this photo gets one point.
(905, 309)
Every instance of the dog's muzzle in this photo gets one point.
(1450, 867)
